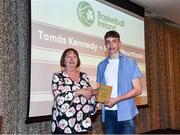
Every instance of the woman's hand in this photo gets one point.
(86, 92)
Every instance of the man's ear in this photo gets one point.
(120, 43)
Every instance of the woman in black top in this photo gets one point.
(74, 99)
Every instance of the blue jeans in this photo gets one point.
(112, 126)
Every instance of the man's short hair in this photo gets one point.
(113, 34)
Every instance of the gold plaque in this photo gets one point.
(104, 93)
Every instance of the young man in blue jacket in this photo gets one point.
(122, 73)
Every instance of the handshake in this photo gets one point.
(86, 92)
(103, 92)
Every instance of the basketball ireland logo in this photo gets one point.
(85, 13)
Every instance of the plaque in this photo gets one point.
(104, 93)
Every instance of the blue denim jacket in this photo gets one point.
(128, 70)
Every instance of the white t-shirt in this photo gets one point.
(111, 76)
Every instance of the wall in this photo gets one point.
(14, 67)
(163, 70)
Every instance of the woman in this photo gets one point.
(74, 100)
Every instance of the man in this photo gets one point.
(122, 73)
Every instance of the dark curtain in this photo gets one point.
(162, 48)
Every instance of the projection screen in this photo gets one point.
(60, 24)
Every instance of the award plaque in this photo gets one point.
(104, 93)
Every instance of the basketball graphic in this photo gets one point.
(85, 13)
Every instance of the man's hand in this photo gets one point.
(85, 92)
(110, 102)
